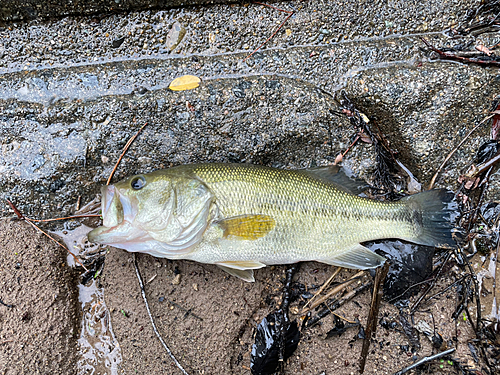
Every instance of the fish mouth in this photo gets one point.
(118, 212)
(111, 206)
(116, 207)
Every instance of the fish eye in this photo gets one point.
(138, 182)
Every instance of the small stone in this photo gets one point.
(195, 287)
(177, 279)
(104, 159)
(117, 42)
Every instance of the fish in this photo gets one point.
(243, 217)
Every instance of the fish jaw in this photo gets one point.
(118, 214)
(121, 233)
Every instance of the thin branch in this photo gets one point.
(371, 325)
(432, 284)
(483, 167)
(324, 286)
(123, 153)
(28, 220)
(334, 291)
(61, 218)
(337, 303)
(143, 293)
(425, 360)
(290, 13)
(433, 180)
(452, 56)
(6, 304)
(57, 242)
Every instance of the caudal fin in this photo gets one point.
(435, 211)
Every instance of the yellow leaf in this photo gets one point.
(186, 82)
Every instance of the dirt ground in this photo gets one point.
(39, 334)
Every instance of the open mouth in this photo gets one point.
(112, 208)
(118, 215)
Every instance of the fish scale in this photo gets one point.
(314, 218)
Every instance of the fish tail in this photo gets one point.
(434, 211)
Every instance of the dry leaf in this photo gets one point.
(495, 125)
(189, 106)
(484, 49)
(186, 82)
(365, 137)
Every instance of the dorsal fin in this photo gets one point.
(337, 175)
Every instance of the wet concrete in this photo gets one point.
(64, 128)
(14, 10)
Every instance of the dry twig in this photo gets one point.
(29, 221)
(324, 286)
(371, 325)
(289, 12)
(123, 153)
(425, 360)
(433, 180)
(143, 293)
(452, 56)
(334, 291)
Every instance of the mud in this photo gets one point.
(38, 334)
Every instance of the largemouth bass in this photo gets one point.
(244, 217)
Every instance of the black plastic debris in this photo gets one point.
(266, 350)
(487, 151)
(490, 211)
(94, 266)
(411, 264)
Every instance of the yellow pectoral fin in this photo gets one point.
(247, 227)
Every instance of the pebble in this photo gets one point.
(177, 279)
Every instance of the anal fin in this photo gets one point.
(246, 275)
(242, 264)
(241, 269)
(357, 257)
